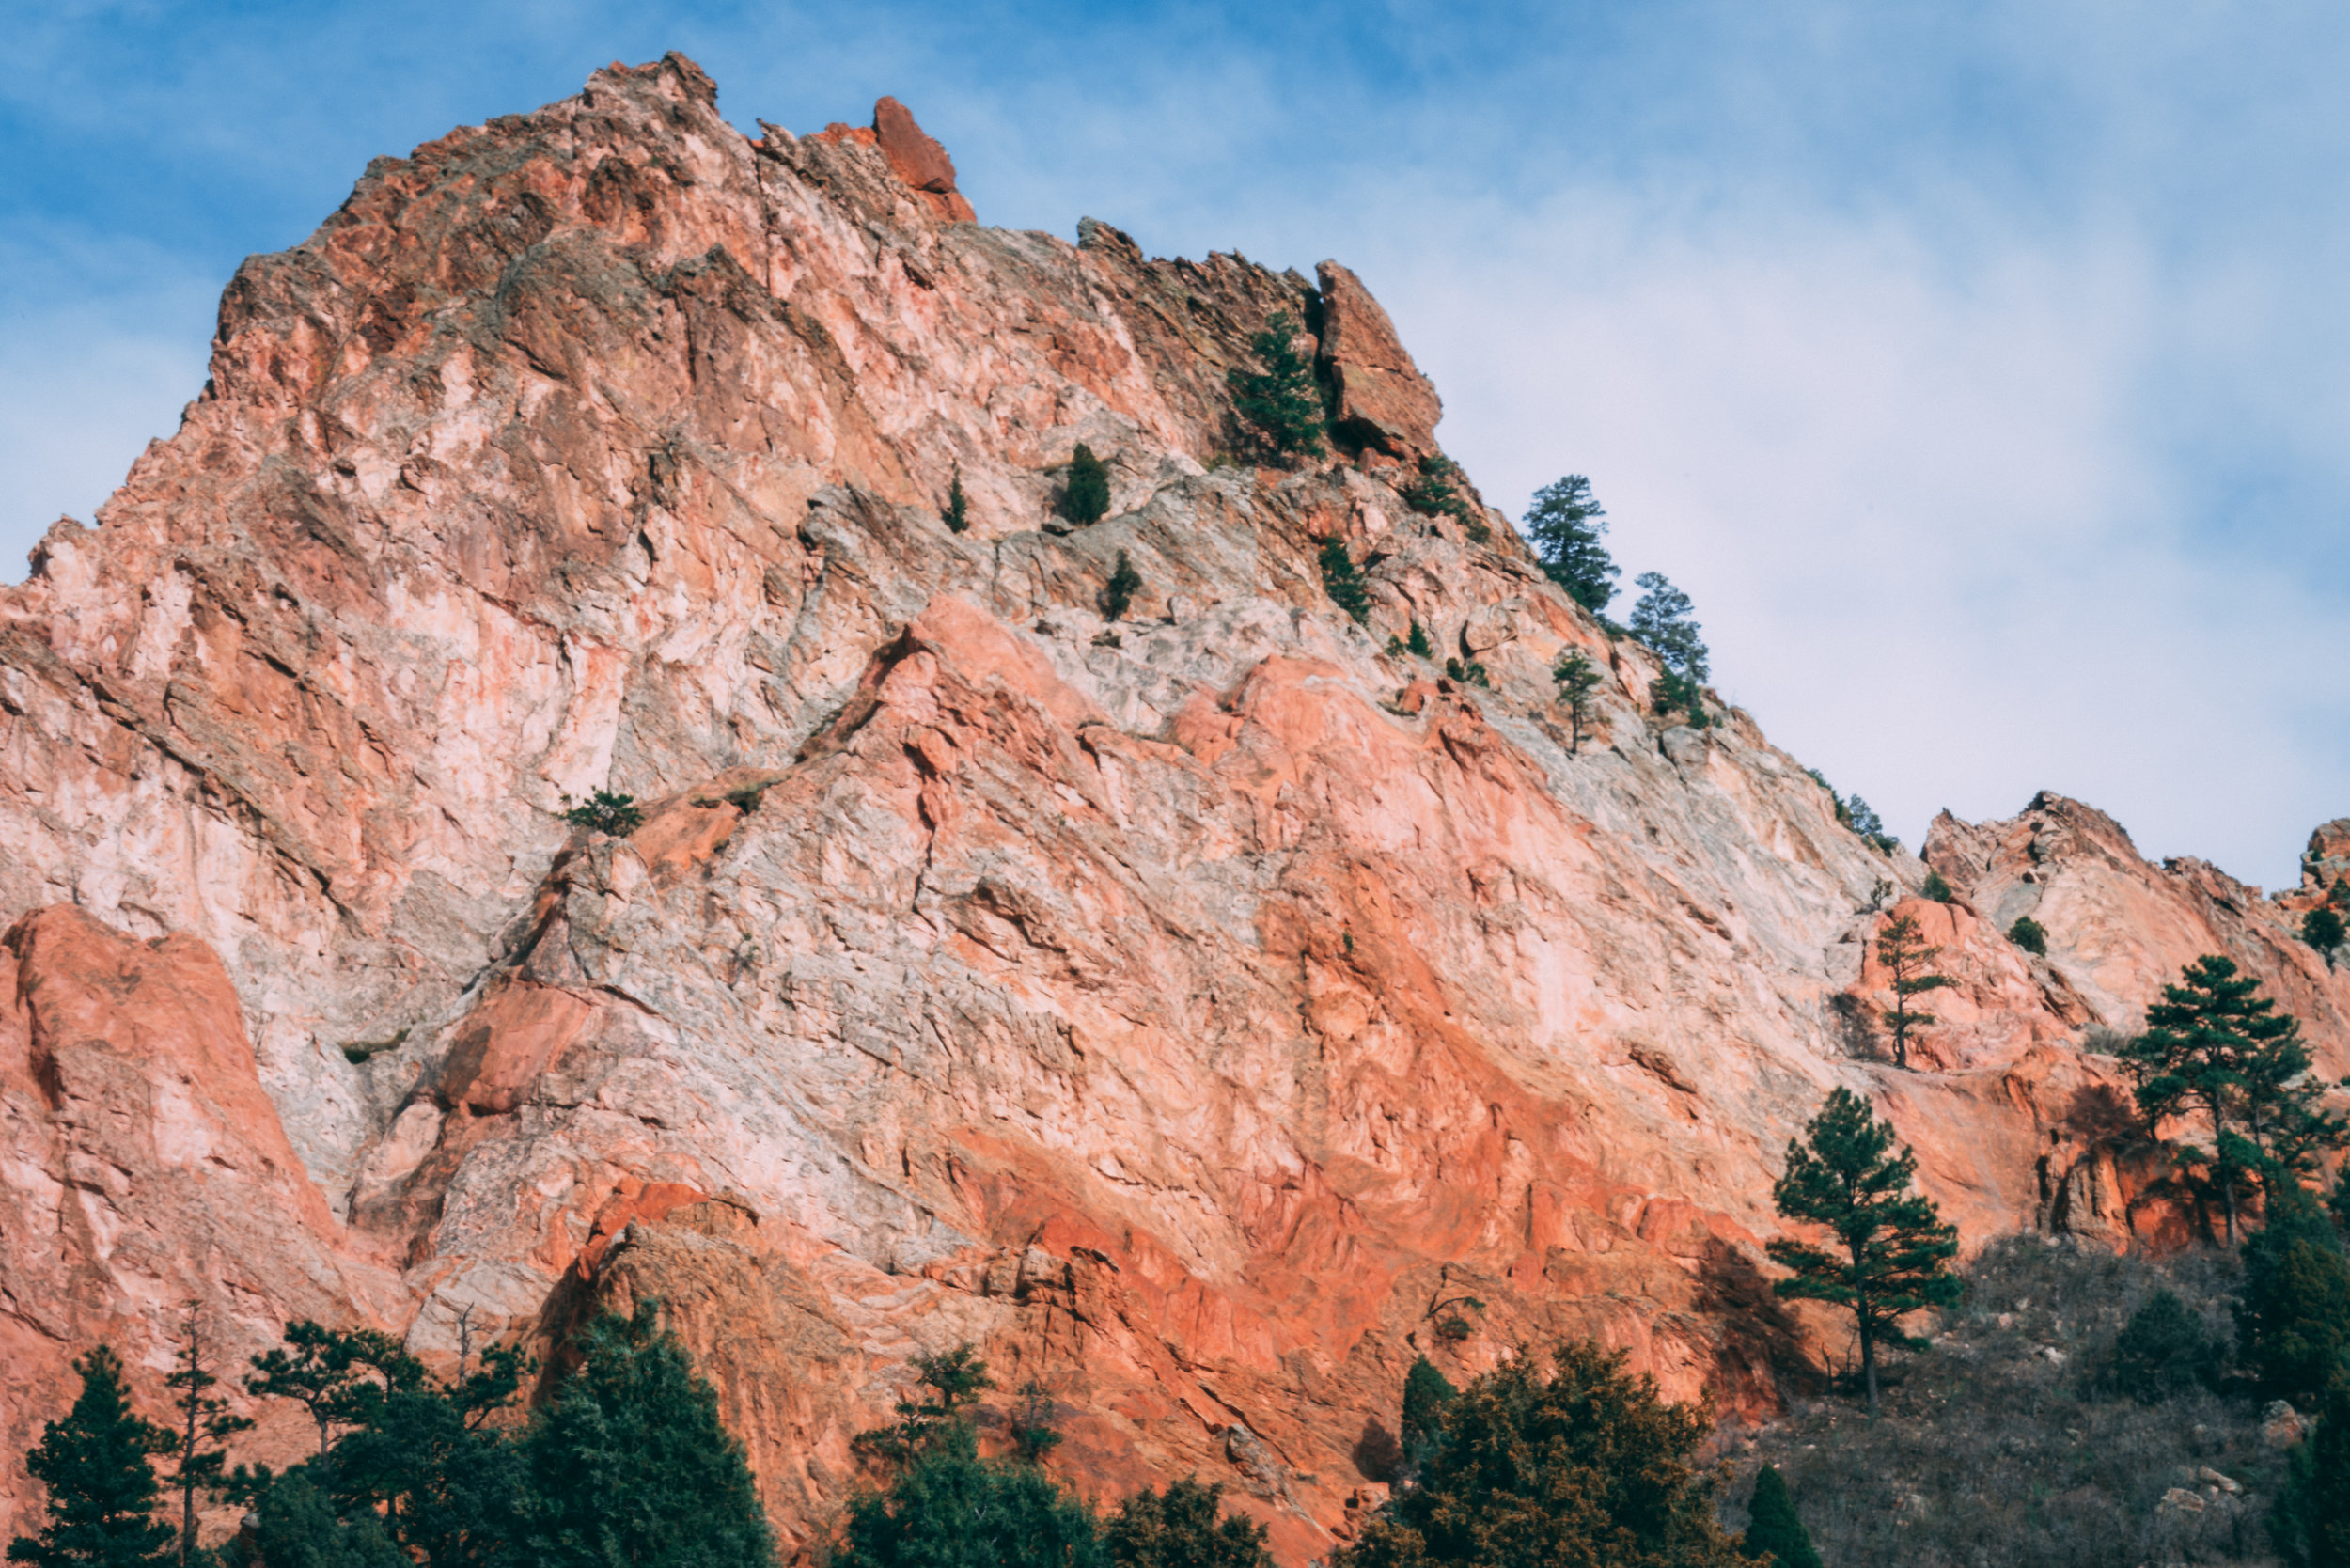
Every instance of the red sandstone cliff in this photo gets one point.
(1179, 1008)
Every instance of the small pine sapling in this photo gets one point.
(1906, 956)
(608, 813)
(1342, 580)
(1469, 672)
(2029, 934)
(1577, 682)
(1118, 593)
(1417, 645)
(958, 513)
(1437, 492)
(1772, 1527)
(1937, 887)
(1281, 402)
(1035, 1422)
(1086, 496)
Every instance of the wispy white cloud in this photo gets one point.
(1980, 369)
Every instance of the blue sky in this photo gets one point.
(1982, 370)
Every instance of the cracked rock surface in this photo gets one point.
(1182, 1008)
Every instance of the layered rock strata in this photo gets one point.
(1187, 1008)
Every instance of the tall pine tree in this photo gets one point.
(102, 1489)
(198, 1459)
(1660, 619)
(632, 1466)
(1908, 956)
(1578, 681)
(1896, 1248)
(2214, 1046)
(1564, 526)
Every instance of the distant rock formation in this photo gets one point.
(1181, 1010)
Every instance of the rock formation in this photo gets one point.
(1183, 1008)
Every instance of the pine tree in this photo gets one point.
(2293, 1317)
(1085, 495)
(1905, 955)
(1772, 1527)
(631, 1463)
(1035, 1422)
(958, 513)
(2321, 929)
(1660, 619)
(1937, 887)
(1280, 401)
(1586, 1466)
(102, 1489)
(1578, 681)
(1896, 1248)
(1564, 526)
(198, 1459)
(1437, 492)
(296, 1527)
(2163, 1351)
(1426, 1392)
(1118, 593)
(2215, 1046)
(1180, 1529)
(951, 1508)
(1417, 645)
(1342, 580)
(953, 1381)
(1673, 691)
(339, 1377)
(2312, 1521)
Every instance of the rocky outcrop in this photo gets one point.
(1184, 1007)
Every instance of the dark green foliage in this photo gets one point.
(1437, 492)
(1564, 526)
(296, 1527)
(1085, 495)
(1937, 887)
(1425, 1397)
(632, 1466)
(1908, 958)
(2163, 1351)
(340, 1378)
(2321, 929)
(1469, 672)
(1673, 692)
(2029, 934)
(951, 1382)
(1578, 681)
(2312, 1522)
(1342, 580)
(2213, 1044)
(1120, 592)
(1581, 1469)
(446, 1485)
(101, 1491)
(2293, 1320)
(951, 1508)
(958, 513)
(1774, 1529)
(1035, 1423)
(1180, 1529)
(1857, 815)
(1660, 619)
(605, 812)
(1281, 402)
(1896, 1248)
(1417, 645)
(198, 1459)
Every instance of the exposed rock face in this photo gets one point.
(1181, 1009)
